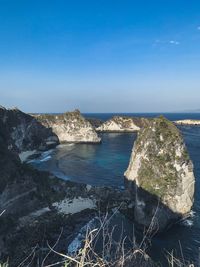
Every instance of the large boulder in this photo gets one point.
(70, 127)
(161, 173)
(23, 132)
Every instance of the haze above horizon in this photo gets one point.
(100, 56)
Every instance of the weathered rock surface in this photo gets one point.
(24, 189)
(21, 188)
(95, 122)
(162, 173)
(23, 132)
(70, 127)
(122, 124)
(188, 122)
(35, 205)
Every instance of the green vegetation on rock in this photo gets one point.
(162, 172)
(160, 142)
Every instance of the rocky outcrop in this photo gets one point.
(24, 189)
(23, 132)
(122, 124)
(21, 188)
(188, 122)
(95, 122)
(161, 172)
(70, 127)
(35, 205)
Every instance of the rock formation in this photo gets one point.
(35, 205)
(188, 122)
(70, 127)
(21, 188)
(122, 124)
(161, 172)
(95, 122)
(23, 132)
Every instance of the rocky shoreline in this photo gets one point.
(35, 205)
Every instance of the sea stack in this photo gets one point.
(161, 173)
(70, 127)
(120, 124)
(188, 122)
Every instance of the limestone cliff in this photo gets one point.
(34, 205)
(23, 132)
(162, 172)
(95, 122)
(188, 122)
(122, 124)
(70, 127)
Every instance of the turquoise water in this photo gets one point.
(99, 164)
(104, 164)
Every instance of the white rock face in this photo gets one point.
(162, 173)
(120, 124)
(188, 122)
(70, 127)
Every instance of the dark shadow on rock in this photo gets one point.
(23, 132)
(149, 212)
(95, 122)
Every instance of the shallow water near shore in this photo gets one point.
(105, 164)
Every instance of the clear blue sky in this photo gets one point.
(100, 55)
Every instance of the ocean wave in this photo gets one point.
(189, 221)
(45, 159)
(77, 243)
(47, 153)
(61, 175)
(65, 145)
(45, 156)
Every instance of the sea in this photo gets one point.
(104, 165)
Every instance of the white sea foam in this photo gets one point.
(24, 155)
(45, 159)
(61, 175)
(65, 145)
(189, 220)
(76, 244)
(192, 214)
(122, 187)
(45, 156)
(33, 161)
(47, 153)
